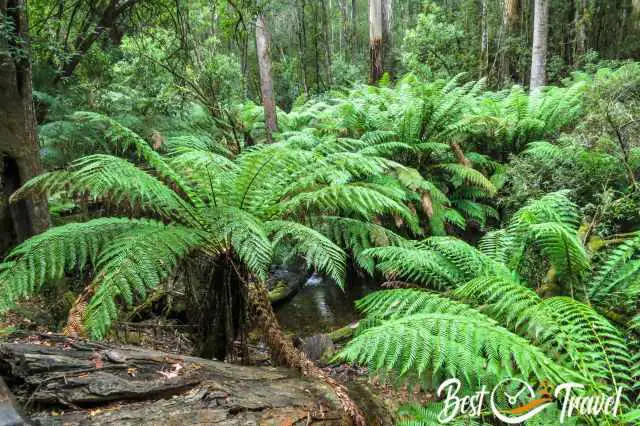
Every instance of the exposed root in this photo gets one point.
(285, 353)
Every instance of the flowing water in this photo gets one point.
(321, 306)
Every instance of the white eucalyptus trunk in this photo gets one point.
(375, 40)
(539, 51)
(266, 80)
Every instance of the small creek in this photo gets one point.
(321, 306)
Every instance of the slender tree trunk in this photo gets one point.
(354, 29)
(19, 148)
(580, 26)
(539, 51)
(387, 41)
(302, 41)
(266, 81)
(327, 41)
(509, 39)
(375, 41)
(345, 39)
(484, 48)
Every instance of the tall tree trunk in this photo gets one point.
(302, 42)
(387, 41)
(327, 41)
(266, 81)
(510, 27)
(19, 148)
(354, 28)
(580, 26)
(484, 48)
(375, 41)
(539, 51)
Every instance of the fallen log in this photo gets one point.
(67, 381)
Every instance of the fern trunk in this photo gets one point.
(221, 306)
(283, 351)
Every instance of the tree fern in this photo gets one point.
(451, 344)
(48, 256)
(124, 273)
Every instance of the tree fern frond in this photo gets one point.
(125, 139)
(493, 244)
(246, 234)
(48, 256)
(394, 304)
(543, 151)
(562, 247)
(451, 345)
(104, 177)
(415, 264)
(317, 249)
(470, 176)
(417, 415)
(606, 277)
(601, 346)
(362, 200)
(131, 264)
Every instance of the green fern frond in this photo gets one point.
(543, 151)
(131, 264)
(246, 234)
(317, 249)
(470, 176)
(415, 264)
(125, 139)
(562, 247)
(104, 177)
(468, 347)
(601, 347)
(394, 304)
(362, 200)
(48, 256)
(417, 415)
(612, 272)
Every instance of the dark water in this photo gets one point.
(321, 306)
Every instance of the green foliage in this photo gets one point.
(414, 335)
(276, 195)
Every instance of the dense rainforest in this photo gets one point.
(331, 212)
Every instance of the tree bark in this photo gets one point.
(580, 26)
(19, 147)
(266, 81)
(132, 386)
(484, 47)
(508, 52)
(354, 28)
(375, 41)
(539, 51)
(387, 41)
